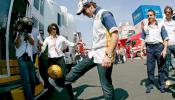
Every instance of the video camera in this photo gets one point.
(24, 24)
(173, 17)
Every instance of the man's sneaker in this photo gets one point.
(173, 94)
(148, 90)
(149, 87)
(52, 82)
(162, 89)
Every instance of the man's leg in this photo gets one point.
(161, 62)
(161, 74)
(43, 66)
(150, 68)
(79, 69)
(172, 48)
(32, 75)
(69, 89)
(167, 59)
(106, 82)
(25, 79)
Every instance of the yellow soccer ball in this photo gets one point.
(55, 71)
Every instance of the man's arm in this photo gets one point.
(143, 36)
(30, 39)
(164, 35)
(111, 27)
(109, 23)
(17, 41)
(113, 43)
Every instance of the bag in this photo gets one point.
(26, 57)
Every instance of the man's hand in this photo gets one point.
(141, 54)
(163, 53)
(107, 62)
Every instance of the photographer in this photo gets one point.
(23, 43)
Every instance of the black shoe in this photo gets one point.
(173, 94)
(162, 90)
(148, 89)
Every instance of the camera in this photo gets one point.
(173, 17)
(24, 24)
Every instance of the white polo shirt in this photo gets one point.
(55, 46)
(154, 33)
(24, 47)
(101, 36)
(170, 28)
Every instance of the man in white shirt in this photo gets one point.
(105, 36)
(43, 64)
(23, 43)
(170, 27)
(155, 37)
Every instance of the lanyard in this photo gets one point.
(54, 45)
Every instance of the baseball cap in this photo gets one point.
(81, 5)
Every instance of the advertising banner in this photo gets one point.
(141, 13)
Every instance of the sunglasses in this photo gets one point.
(54, 29)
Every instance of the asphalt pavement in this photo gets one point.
(129, 80)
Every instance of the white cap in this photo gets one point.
(81, 5)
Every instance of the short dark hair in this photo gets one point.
(168, 7)
(88, 5)
(49, 29)
(93, 4)
(150, 10)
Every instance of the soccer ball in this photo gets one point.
(168, 83)
(55, 71)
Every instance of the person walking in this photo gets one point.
(105, 37)
(155, 37)
(42, 59)
(169, 24)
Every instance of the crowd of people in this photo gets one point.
(159, 40)
(157, 36)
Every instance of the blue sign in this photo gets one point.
(141, 12)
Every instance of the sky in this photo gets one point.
(121, 9)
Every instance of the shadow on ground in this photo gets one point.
(169, 90)
(120, 93)
(145, 82)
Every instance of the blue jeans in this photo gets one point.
(116, 58)
(153, 55)
(171, 50)
(104, 74)
(27, 71)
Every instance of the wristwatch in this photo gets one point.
(110, 56)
